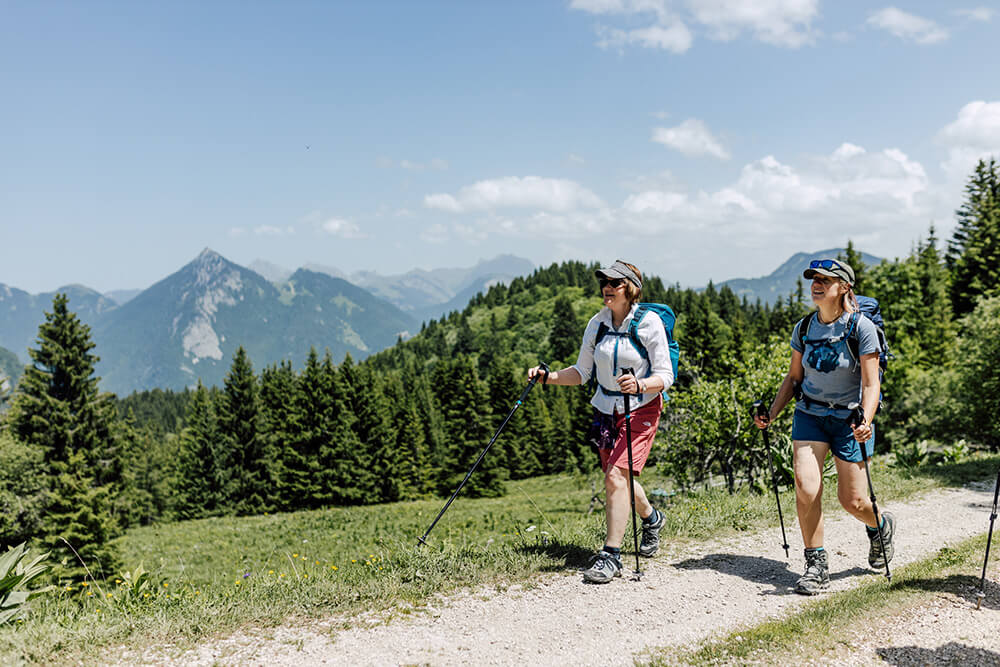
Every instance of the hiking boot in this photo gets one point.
(650, 543)
(875, 556)
(817, 576)
(603, 568)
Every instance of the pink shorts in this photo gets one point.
(644, 423)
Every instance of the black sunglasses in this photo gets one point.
(613, 283)
(825, 264)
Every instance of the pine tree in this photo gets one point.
(238, 417)
(202, 477)
(564, 336)
(974, 249)
(375, 433)
(58, 410)
(280, 428)
(466, 415)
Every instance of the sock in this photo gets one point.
(872, 531)
(652, 518)
(613, 550)
(817, 549)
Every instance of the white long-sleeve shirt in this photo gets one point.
(614, 353)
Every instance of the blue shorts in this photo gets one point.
(834, 431)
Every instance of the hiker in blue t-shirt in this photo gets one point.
(826, 375)
(605, 358)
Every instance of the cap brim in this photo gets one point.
(610, 273)
(809, 273)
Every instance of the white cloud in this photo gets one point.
(973, 135)
(674, 37)
(778, 22)
(269, 230)
(533, 192)
(345, 229)
(908, 26)
(626, 7)
(573, 158)
(437, 164)
(692, 137)
(983, 14)
(237, 232)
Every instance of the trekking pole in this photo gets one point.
(859, 417)
(524, 395)
(762, 412)
(981, 595)
(631, 478)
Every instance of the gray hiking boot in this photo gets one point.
(875, 556)
(817, 576)
(603, 568)
(650, 543)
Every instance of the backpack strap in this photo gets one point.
(633, 331)
(804, 327)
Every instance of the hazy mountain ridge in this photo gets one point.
(427, 294)
(780, 282)
(21, 313)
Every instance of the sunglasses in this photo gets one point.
(613, 283)
(825, 264)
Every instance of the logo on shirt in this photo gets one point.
(824, 358)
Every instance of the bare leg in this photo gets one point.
(619, 505)
(852, 491)
(808, 458)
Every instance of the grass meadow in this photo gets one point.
(188, 580)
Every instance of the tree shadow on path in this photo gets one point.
(759, 570)
(951, 653)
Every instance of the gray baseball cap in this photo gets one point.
(619, 270)
(833, 268)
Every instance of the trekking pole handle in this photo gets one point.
(759, 410)
(630, 371)
(857, 414)
(543, 376)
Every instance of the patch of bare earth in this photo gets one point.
(685, 596)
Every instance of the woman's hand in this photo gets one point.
(863, 432)
(628, 384)
(541, 373)
(762, 421)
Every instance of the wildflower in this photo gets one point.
(354, 560)
(270, 571)
(246, 575)
(109, 594)
(305, 576)
(85, 583)
(90, 595)
(317, 562)
(197, 592)
(295, 555)
(145, 595)
(333, 567)
(165, 584)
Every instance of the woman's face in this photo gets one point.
(826, 290)
(613, 293)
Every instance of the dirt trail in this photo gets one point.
(682, 599)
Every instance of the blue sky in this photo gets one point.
(698, 138)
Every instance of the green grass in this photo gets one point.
(817, 632)
(214, 576)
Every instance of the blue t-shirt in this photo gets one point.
(831, 374)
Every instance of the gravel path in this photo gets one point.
(682, 599)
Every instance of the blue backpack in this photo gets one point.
(868, 307)
(666, 315)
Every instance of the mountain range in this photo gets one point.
(427, 294)
(780, 283)
(187, 326)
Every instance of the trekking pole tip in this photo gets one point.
(420, 540)
(980, 596)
